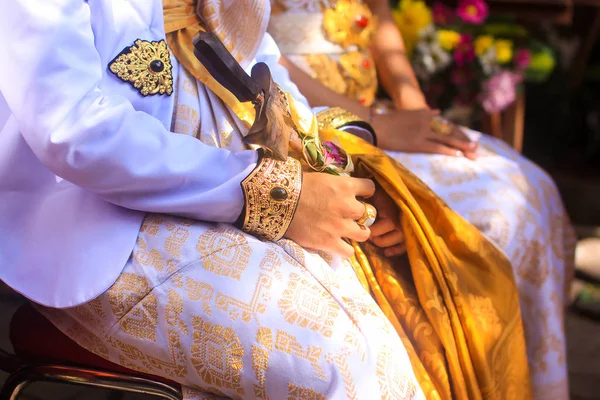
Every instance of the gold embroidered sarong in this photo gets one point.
(455, 302)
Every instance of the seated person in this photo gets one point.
(136, 217)
(344, 46)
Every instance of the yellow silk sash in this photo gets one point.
(453, 301)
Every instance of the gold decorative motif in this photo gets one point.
(200, 291)
(485, 316)
(493, 223)
(173, 311)
(534, 265)
(294, 254)
(217, 355)
(260, 360)
(224, 252)
(349, 23)
(264, 336)
(260, 364)
(361, 76)
(187, 120)
(238, 309)
(152, 224)
(357, 306)
(341, 361)
(327, 71)
(308, 305)
(134, 305)
(148, 258)
(179, 235)
(268, 216)
(288, 344)
(147, 66)
(302, 393)
(91, 314)
(395, 381)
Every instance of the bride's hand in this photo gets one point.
(410, 131)
(386, 232)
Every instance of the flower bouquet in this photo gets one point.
(464, 58)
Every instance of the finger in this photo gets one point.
(354, 231)
(389, 239)
(456, 139)
(439, 148)
(355, 210)
(382, 226)
(363, 187)
(341, 248)
(394, 251)
(471, 155)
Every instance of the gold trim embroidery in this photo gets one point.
(147, 66)
(272, 192)
(335, 117)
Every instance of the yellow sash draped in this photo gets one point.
(453, 300)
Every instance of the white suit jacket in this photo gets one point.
(83, 155)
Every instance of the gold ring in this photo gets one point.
(441, 125)
(368, 217)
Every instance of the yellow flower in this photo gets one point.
(411, 17)
(483, 44)
(448, 39)
(504, 51)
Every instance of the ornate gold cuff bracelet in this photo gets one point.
(272, 192)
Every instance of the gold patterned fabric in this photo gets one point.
(454, 298)
(348, 67)
(507, 197)
(242, 23)
(229, 316)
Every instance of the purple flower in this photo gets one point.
(500, 91)
(472, 11)
(332, 153)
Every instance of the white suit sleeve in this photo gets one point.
(49, 74)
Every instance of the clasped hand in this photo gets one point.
(329, 208)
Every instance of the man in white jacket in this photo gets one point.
(94, 189)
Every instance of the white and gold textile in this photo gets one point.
(226, 314)
(504, 195)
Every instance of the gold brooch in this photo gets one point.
(147, 66)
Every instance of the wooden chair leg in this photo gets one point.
(492, 125)
(508, 125)
(513, 123)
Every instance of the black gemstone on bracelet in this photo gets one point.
(278, 193)
(157, 66)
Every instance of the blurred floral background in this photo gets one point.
(474, 57)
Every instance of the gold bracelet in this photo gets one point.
(272, 192)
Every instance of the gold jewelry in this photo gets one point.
(338, 118)
(377, 108)
(146, 66)
(441, 125)
(369, 216)
(272, 192)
